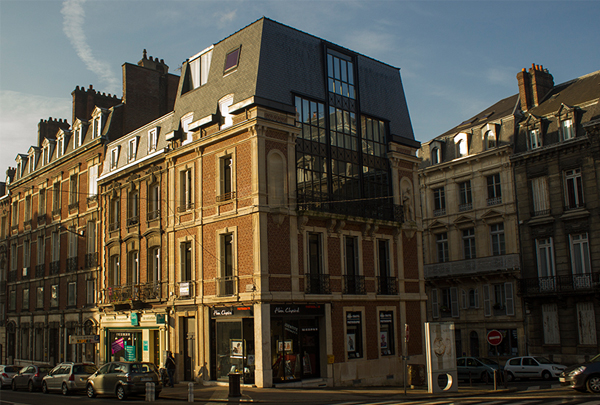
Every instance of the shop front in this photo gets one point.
(133, 337)
(232, 343)
(295, 341)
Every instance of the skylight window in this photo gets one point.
(231, 60)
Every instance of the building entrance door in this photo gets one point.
(189, 333)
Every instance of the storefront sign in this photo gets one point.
(385, 317)
(231, 311)
(228, 311)
(145, 345)
(160, 319)
(134, 319)
(292, 309)
(130, 353)
(75, 339)
(353, 318)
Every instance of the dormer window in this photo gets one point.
(152, 139)
(535, 139)
(224, 105)
(567, 129)
(97, 122)
(490, 139)
(114, 158)
(61, 147)
(45, 155)
(132, 149)
(187, 134)
(460, 143)
(199, 68)
(340, 74)
(231, 61)
(435, 155)
(31, 163)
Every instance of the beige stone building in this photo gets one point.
(471, 239)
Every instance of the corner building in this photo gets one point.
(289, 241)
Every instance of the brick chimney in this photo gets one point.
(84, 102)
(534, 85)
(49, 128)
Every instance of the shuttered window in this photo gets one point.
(539, 191)
(509, 299)
(487, 305)
(550, 321)
(434, 303)
(586, 323)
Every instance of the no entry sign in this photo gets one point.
(494, 337)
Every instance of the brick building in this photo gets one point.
(50, 242)
(286, 241)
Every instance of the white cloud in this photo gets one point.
(20, 114)
(73, 22)
(225, 18)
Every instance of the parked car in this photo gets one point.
(123, 378)
(583, 376)
(6, 375)
(478, 368)
(68, 377)
(30, 377)
(532, 367)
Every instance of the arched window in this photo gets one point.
(490, 139)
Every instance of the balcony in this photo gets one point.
(386, 286)
(133, 220)
(226, 196)
(56, 212)
(73, 206)
(120, 294)
(92, 198)
(439, 212)
(316, 283)
(185, 207)
(113, 226)
(184, 290)
(41, 219)
(40, 270)
(54, 268)
(354, 284)
(152, 215)
(226, 286)
(91, 260)
(377, 209)
(71, 264)
(540, 213)
(494, 201)
(152, 290)
(472, 266)
(574, 206)
(571, 283)
(465, 207)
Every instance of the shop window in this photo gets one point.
(354, 341)
(386, 333)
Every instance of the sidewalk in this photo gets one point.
(311, 395)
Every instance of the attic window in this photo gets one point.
(199, 69)
(231, 60)
(486, 116)
(466, 122)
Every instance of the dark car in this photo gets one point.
(583, 376)
(478, 368)
(30, 377)
(123, 378)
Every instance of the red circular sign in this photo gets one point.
(494, 337)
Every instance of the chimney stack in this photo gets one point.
(49, 128)
(534, 86)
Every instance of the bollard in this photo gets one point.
(505, 375)
(495, 380)
(191, 392)
(234, 384)
(150, 392)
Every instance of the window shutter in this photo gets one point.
(509, 299)
(454, 301)
(476, 297)
(463, 295)
(550, 322)
(487, 307)
(434, 303)
(586, 323)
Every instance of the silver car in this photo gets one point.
(6, 375)
(68, 377)
(532, 367)
(123, 378)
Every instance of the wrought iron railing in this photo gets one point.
(386, 285)
(226, 286)
(571, 283)
(465, 207)
(574, 206)
(134, 292)
(439, 212)
(133, 220)
(56, 212)
(377, 209)
(72, 264)
(354, 284)
(54, 267)
(91, 260)
(152, 290)
(185, 207)
(317, 284)
(113, 226)
(41, 219)
(73, 206)
(494, 201)
(152, 215)
(226, 196)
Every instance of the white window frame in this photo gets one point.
(93, 180)
(224, 105)
(114, 157)
(186, 182)
(187, 135)
(461, 145)
(200, 68)
(152, 139)
(567, 129)
(579, 245)
(539, 191)
(132, 149)
(574, 179)
(544, 247)
(535, 139)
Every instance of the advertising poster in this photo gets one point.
(118, 345)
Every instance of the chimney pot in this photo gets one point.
(145, 55)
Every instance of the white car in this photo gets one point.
(532, 367)
(6, 375)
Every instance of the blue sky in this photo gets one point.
(456, 57)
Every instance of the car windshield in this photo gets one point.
(543, 360)
(84, 369)
(487, 361)
(45, 369)
(142, 368)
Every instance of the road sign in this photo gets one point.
(406, 332)
(494, 337)
(75, 339)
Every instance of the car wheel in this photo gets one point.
(14, 385)
(90, 391)
(593, 384)
(121, 393)
(510, 377)
(546, 375)
(30, 386)
(65, 389)
(485, 377)
(44, 387)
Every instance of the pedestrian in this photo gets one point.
(170, 366)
